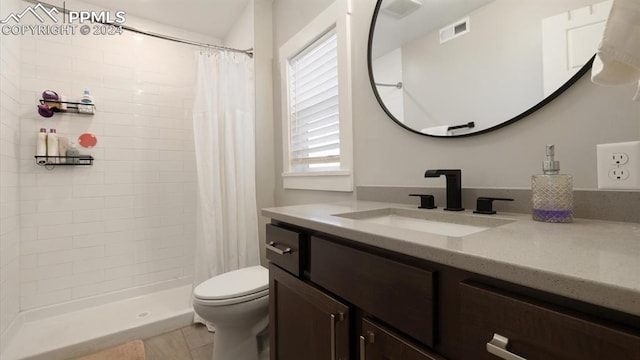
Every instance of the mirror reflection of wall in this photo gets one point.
(568, 39)
(492, 73)
(389, 73)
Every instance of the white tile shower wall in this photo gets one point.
(128, 220)
(9, 173)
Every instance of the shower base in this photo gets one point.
(43, 335)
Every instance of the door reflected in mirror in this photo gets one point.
(463, 67)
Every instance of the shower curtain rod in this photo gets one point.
(248, 52)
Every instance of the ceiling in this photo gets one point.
(211, 17)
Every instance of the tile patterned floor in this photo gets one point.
(193, 342)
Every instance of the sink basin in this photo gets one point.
(430, 221)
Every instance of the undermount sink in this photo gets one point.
(430, 221)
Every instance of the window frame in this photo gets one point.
(336, 15)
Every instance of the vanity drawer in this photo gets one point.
(534, 331)
(400, 295)
(285, 248)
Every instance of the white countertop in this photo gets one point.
(594, 261)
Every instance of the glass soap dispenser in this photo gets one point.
(552, 192)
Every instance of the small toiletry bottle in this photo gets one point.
(63, 145)
(552, 192)
(52, 147)
(74, 153)
(86, 102)
(63, 103)
(86, 97)
(41, 146)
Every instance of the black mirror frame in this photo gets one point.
(526, 113)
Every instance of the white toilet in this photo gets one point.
(237, 304)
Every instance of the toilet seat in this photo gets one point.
(231, 301)
(233, 287)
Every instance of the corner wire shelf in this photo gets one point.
(51, 161)
(72, 107)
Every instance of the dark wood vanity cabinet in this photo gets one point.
(317, 284)
(502, 324)
(309, 323)
(344, 300)
(379, 343)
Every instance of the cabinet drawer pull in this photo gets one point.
(271, 246)
(334, 318)
(498, 347)
(363, 344)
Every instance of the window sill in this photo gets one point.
(319, 180)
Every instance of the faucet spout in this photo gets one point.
(454, 186)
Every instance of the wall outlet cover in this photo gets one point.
(619, 165)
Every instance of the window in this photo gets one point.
(316, 104)
(314, 113)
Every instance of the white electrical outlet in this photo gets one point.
(619, 165)
(618, 174)
(619, 158)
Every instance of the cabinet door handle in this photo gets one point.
(271, 246)
(363, 345)
(334, 319)
(498, 347)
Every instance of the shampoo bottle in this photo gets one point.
(52, 147)
(63, 145)
(552, 192)
(41, 146)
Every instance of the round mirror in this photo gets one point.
(464, 67)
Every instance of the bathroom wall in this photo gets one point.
(387, 155)
(263, 60)
(253, 29)
(127, 222)
(388, 70)
(9, 172)
(240, 36)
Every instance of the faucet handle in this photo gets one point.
(484, 205)
(426, 201)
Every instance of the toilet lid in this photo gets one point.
(233, 284)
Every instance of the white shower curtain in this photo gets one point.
(224, 137)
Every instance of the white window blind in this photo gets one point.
(314, 106)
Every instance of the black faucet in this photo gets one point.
(454, 187)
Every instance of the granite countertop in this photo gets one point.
(590, 260)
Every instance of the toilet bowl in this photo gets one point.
(237, 304)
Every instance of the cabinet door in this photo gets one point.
(305, 323)
(378, 343)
